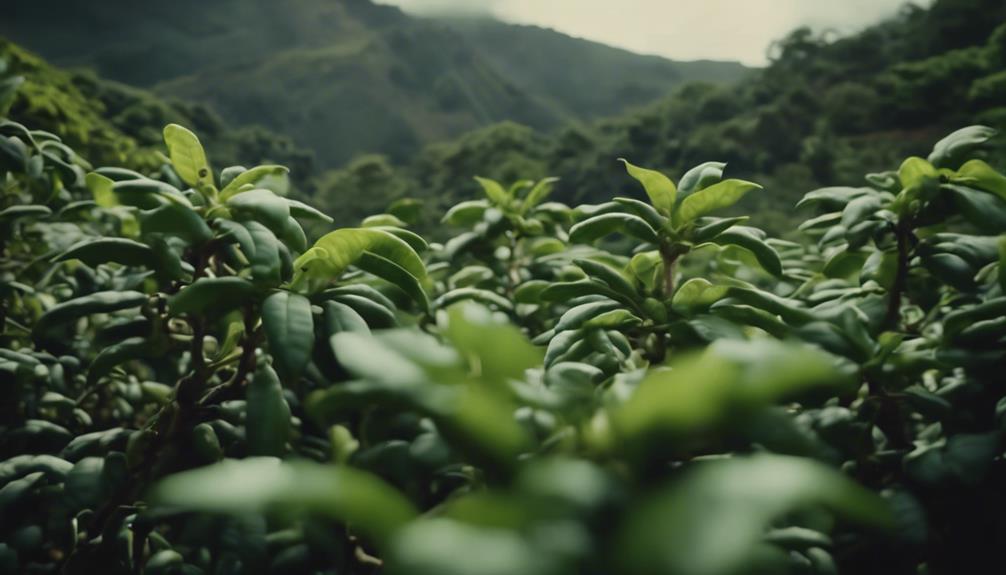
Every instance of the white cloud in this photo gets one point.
(680, 29)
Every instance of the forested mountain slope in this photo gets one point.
(824, 112)
(344, 77)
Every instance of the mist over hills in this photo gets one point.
(345, 77)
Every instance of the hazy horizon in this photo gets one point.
(679, 30)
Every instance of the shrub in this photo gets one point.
(634, 387)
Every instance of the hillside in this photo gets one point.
(345, 77)
(114, 124)
(587, 78)
(824, 112)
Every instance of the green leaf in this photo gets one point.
(302, 211)
(289, 329)
(659, 187)
(703, 392)
(530, 292)
(368, 356)
(440, 546)
(267, 425)
(713, 520)
(118, 250)
(494, 191)
(382, 220)
(790, 310)
(861, 209)
(119, 174)
(614, 319)
(339, 317)
(605, 224)
(176, 220)
(880, 266)
(708, 228)
(643, 210)
(608, 275)
(263, 206)
(915, 171)
(538, 193)
(833, 198)
(499, 349)
(948, 152)
(248, 179)
(717, 196)
(753, 240)
(377, 315)
(102, 189)
(697, 294)
(264, 258)
(99, 302)
(575, 317)
(480, 295)
(211, 295)
(844, 264)
(335, 252)
(980, 175)
(560, 292)
(466, 213)
(700, 177)
(148, 194)
(187, 156)
(985, 211)
(396, 275)
(117, 354)
(16, 212)
(1002, 263)
(260, 484)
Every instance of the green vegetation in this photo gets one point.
(347, 77)
(824, 112)
(113, 124)
(192, 387)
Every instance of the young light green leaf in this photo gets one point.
(101, 188)
(538, 193)
(494, 191)
(187, 156)
(717, 196)
(914, 171)
(335, 252)
(980, 175)
(659, 188)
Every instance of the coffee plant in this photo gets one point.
(191, 386)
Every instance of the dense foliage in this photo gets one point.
(189, 386)
(114, 124)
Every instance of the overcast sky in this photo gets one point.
(679, 29)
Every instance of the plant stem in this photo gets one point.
(670, 258)
(893, 316)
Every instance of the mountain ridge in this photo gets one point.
(345, 77)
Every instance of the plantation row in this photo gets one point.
(190, 386)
